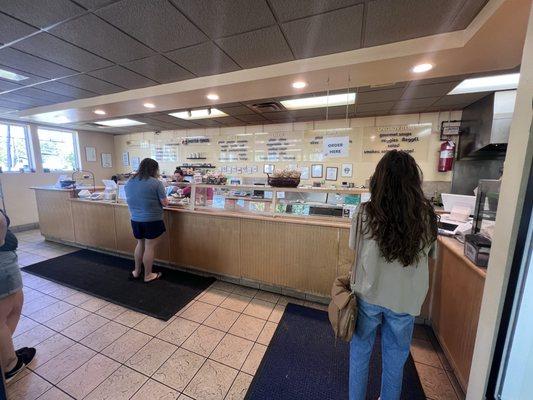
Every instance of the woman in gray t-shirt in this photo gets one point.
(146, 198)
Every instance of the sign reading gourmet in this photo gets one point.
(413, 139)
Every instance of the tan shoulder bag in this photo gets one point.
(342, 309)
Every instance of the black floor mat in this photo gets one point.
(107, 277)
(305, 362)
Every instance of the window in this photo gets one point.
(14, 148)
(58, 149)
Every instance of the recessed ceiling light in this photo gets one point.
(417, 69)
(199, 114)
(319, 101)
(149, 105)
(212, 96)
(299, 84)
(487, 84)
(11, 75)
(119, 122)
(99, 112)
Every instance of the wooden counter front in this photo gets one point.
(55, 214)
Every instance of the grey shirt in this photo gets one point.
(144, 199)
(389, 284)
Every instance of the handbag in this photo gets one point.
(342, 309)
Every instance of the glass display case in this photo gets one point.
(306, 202)
(488, 192)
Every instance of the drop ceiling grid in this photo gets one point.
(258, 18)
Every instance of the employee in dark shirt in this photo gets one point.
(146, 197)
(11, 299)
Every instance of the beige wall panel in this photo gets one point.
(55, 214)
(294, 255)
(455, 310)
(94, 224)
(125, 240)
(210, 243)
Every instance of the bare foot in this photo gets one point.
(152, 277)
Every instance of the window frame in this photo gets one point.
(75, 144)
(29, 147)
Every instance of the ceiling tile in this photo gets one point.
(312, 112)
(470, 9)
(207, 122)
(56, 50)
(65, 90)
(377, 96)
(389, 21)
(279, 116)
(442, 79)
(229, 121)
(371, 107)
(395, 85)
(165, 118)
(30, 78)
(435, 90)
(6, 85)
(35, 93)
(415, 103)
(13, 105)
(33, 65)
(156, 23)
(236, 110)
(462, 99)
(203, 59)
(11, 29)
(95, 4)
(327, 33)
(40, 13)
(288, 10)
(122, 77)
(99, 37)
(257, 48)
(93, 84)
(251, 118)
(219, 18)
(159, 69)
(23, 100)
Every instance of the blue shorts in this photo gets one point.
(10, 277)
(148, 230)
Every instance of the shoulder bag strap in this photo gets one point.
(358, 234)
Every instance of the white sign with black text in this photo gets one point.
(336, 146)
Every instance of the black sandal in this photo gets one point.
(133, 278)
(25, 356)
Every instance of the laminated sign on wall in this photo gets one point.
(336, 147)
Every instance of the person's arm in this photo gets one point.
(3, 229)
(162, 194)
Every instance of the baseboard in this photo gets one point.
(25, 227)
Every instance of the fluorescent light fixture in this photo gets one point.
(55, 117)
(120, 122)
(212, 96)
(418, 69)
(99, 112)
(487, 84)
(149, 105)
(199, 114)
(11, 75)
(299, 84)
(319, 101)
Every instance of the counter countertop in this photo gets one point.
(56, 189)
(458, 249)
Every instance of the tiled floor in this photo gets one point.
(88, 348)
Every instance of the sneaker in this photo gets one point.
(25, 356)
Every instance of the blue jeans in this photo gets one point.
(396, 335)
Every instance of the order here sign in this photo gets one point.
(335, 147)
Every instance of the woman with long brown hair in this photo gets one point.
(398, 233)
(146, 197)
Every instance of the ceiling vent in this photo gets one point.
(270, 106)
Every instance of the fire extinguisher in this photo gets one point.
(447, 152)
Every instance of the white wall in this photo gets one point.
(20, 200)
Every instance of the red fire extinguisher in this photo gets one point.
(447, 152)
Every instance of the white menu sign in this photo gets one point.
(336, 147)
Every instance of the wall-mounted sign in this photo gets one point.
(107, 160)
(125, 158)
(331, 173)
(317, 171)
(347, 170)
(336, 146)
(90, 154)
(413, 139)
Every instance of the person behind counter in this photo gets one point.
(11, 300)
(179, 176)
(392, 278)
(146, 198)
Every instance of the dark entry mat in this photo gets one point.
(304, 362)
(106, 276)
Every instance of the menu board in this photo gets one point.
(413, 139)
(278, 146)
(233, 149)
(165, 153)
